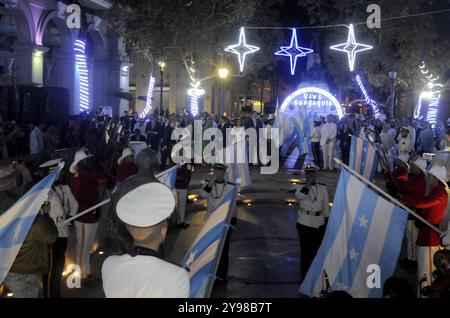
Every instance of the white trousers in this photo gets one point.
(181, 196)
(86, 234)
(411, 238)
(328, 154)
(425, 266)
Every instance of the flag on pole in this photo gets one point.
(168, 177)
(299, 127)
(17, 221)
(364, 231)
(203, 257)
(363, 158)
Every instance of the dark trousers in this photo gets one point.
(345, 154)
(222, 270)
(316, 153)
(165, 155)
(310, 240)
(52, 280)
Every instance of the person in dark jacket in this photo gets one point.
(181, 190)
(32, 261)
(156, 133)
(345, 140)
(167, 143)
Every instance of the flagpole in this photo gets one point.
(394, 200)
(109, 200)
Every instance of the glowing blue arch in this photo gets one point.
(312, 97)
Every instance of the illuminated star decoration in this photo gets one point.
(294, 51)
(351, 47)
(242, 49)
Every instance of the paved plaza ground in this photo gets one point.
(264, 250)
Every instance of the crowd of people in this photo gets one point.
(105, 158)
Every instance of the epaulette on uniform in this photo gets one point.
(231, 183)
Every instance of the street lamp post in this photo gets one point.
(223, 74)
(392, 77)
(162, 65)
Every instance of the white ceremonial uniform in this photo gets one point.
(388, 142)
(329, 131)
(36, 141)
(314, 206)
(404, 145)
(143, 277)
(62, 206)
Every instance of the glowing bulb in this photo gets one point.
(9, 294)
(223, 73)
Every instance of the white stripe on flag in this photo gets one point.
(217, 217)
(359, 154)
(370, 161)
(338, 251)
(206, 257)
(378, 227)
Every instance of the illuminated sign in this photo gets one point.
(312, 99)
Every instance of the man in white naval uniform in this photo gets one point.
(142, 273)
(313, 211)
(328, 142)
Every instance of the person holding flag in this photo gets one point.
(312, 215)
(141, 271)
(433, 207)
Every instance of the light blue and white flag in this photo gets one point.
(203, 257)
(17, 221)
(363, 158)
(364, 229)
(168, 177)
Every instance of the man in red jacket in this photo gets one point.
(85, 186)
(433, 207)
(415, 188)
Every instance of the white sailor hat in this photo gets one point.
(421, 164)
(51, 163)
(137, 146)
(439, 172)
(80, 155)
(404, 157)
(146, 205)
(125, 153)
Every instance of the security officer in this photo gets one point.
(141, 272)
(214, 190)
(312, 215)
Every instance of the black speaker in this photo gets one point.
(30, 104)
(56, 105)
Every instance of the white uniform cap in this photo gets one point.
(404, 157)
(125, 153)
(439, 172)
(146, 205)
(51, 163)
(137, 146)
(80, 155)
(421, 163)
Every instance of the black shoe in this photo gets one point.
(89, 282)
(183, 226)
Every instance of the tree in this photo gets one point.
(197, 30)
(399, 45)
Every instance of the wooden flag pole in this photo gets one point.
(394, 200)
(108, 200)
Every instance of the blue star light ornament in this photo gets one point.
(293, 51)
(351, 47)
(242, 49)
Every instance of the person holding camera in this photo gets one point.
(312, 215)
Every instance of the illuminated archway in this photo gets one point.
(312, 99)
